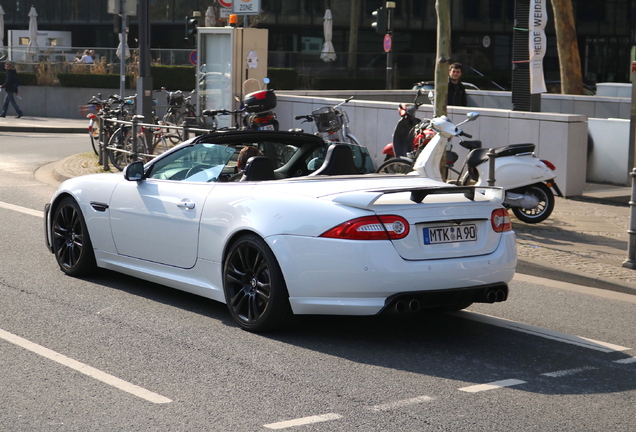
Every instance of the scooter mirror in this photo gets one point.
(431, 96)
(472, 115)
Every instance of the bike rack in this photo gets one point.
(134, 124)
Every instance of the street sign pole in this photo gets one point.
(630, 262)
(388, 44)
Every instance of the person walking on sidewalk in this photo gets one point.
(10, 86)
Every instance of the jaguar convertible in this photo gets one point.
(299, 231)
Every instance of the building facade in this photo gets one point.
(481, 32)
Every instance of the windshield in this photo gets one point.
(206, 162)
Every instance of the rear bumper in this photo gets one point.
(358, 278)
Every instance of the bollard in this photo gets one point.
(188, 122)
(630, 262)
(491, 166)
(133, 131)
(103, 145)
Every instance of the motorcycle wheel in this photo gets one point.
(396, 166)
(540, 212)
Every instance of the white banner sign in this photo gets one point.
(537, 44)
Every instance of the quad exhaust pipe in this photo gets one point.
(411, 303)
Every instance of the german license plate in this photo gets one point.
(450, 234)
(266, 127)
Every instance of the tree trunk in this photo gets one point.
(352, 60)
(567, 47)
(441, 66)
(443, 56)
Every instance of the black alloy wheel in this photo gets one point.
(254, 286)
(71, 243)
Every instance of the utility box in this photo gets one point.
(226, 58)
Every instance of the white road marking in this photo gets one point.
(598, 292)
(401, 403)
(21, 209)
(566, 372)
(492, 385)
(592, 344)
(303, 421)
(626, 360)
(83, 368)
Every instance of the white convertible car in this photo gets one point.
(279, 239)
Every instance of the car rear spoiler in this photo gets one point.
(366, 200)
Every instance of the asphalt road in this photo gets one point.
(112, 353)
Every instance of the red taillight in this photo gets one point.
(264, 119)
(549, 164)
(402, 110)
(500, 220)
(371, 228)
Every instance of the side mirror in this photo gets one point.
(134, 171)
(431, 96)
(472, 115)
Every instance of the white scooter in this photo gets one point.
(525, 178)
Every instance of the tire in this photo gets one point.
(173, 119)
(542, 211)
(123, 139)
(71, 243)
(94, 135)
(396, 166)
(254, 286)
(119, 141)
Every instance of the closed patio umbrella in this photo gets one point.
(328, 53)
(32, 48)
(127, 50)
(2, 50)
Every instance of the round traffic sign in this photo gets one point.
(194, 56)
(226, 3)
(387, 43)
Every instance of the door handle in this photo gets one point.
(188, 205)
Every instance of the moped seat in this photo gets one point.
(480, 155)
(470, 145)
(513, 149)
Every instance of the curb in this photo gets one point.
(42, 129)
(549, 271)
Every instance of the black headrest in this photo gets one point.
(338, 161)
(258, 168)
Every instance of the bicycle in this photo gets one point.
(121, 144)
(332, 123)
(174, 116)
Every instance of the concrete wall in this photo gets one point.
(560, 138)
(608, 155)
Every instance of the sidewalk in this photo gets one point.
(584, 241)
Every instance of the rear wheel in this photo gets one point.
(121, 152)
(540, 212)
(71, 243)
(254, 286)
(173, 119)
(396, 166)
(94, 135)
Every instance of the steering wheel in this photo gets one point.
(197, 169)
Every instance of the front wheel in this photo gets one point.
(542, 211)
(70, 240)
(255, 290)
(396, 166)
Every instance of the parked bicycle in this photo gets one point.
(332, 123)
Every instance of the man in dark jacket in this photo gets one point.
(10, 86)
(456, 90)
